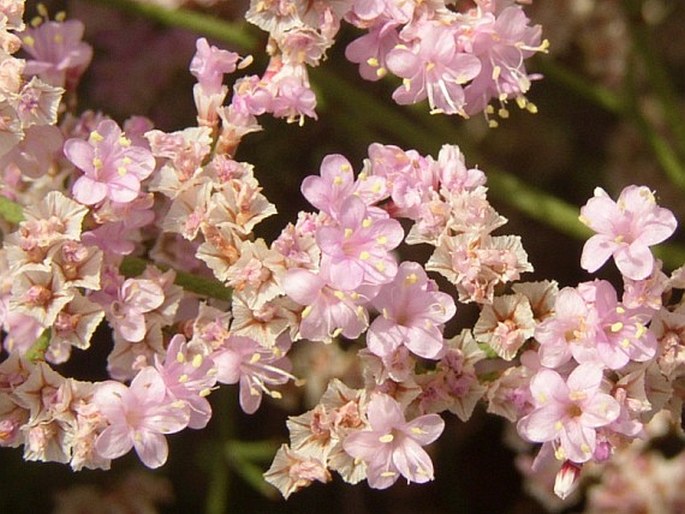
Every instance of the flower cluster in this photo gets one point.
(459, 61)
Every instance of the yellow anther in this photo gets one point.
(496, 71)
(625, 343)
(180, 358)
(337, 180)
(372, 61)
(95, 137)
(503, 113)
(183, 379)
(640, 330)
(205, 392)
(306, 311)
(382, 240)
(532, 108)
(121, 170)
(493, 124)
(348, 233)
(616, 327)
(197, 361)
(29, 41)
(380, 267)
(124, 141)
(61, 16)
(339, 295)
(411, 279)
(364, 256)
(387, 438)
(381, 72)
(417, 430)
(388, 474)
(366, 223)
(256, 357)
(97, 163)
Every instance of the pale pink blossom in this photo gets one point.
(568, 412)
(138, 417)
(243, 360)
(128, 307)
(189, 377)
(358, 249)
(433, 67)
(58, 54)
(112, 166)
(413, 313)
(625, 230)
(392, 446)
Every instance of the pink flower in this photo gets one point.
(328, 311)
(59, 55)
(328, 191)
(393, 446)
(138, 416)
(620, 334)
(359, 248)
(126, 311)
(209, 65)
(413, 314)
(501, 43)
(371, 49)
(433, 68)
(561, 336)
(113, 168)
(189, 378)
(569, 412)
(625, 230)
(243, 360)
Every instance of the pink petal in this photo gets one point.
(413, 462)
(596, 252)
(384, 413)
(635, 261)
(425, 429)
(114, 441)
(88, 191)
(152, 448)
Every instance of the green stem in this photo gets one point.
(254, 451)
(10, 211)
(39, 347)
(667, 157)
(219, 478)
(594, 93)
(134, 266)
(659, 76)
(234, 33)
